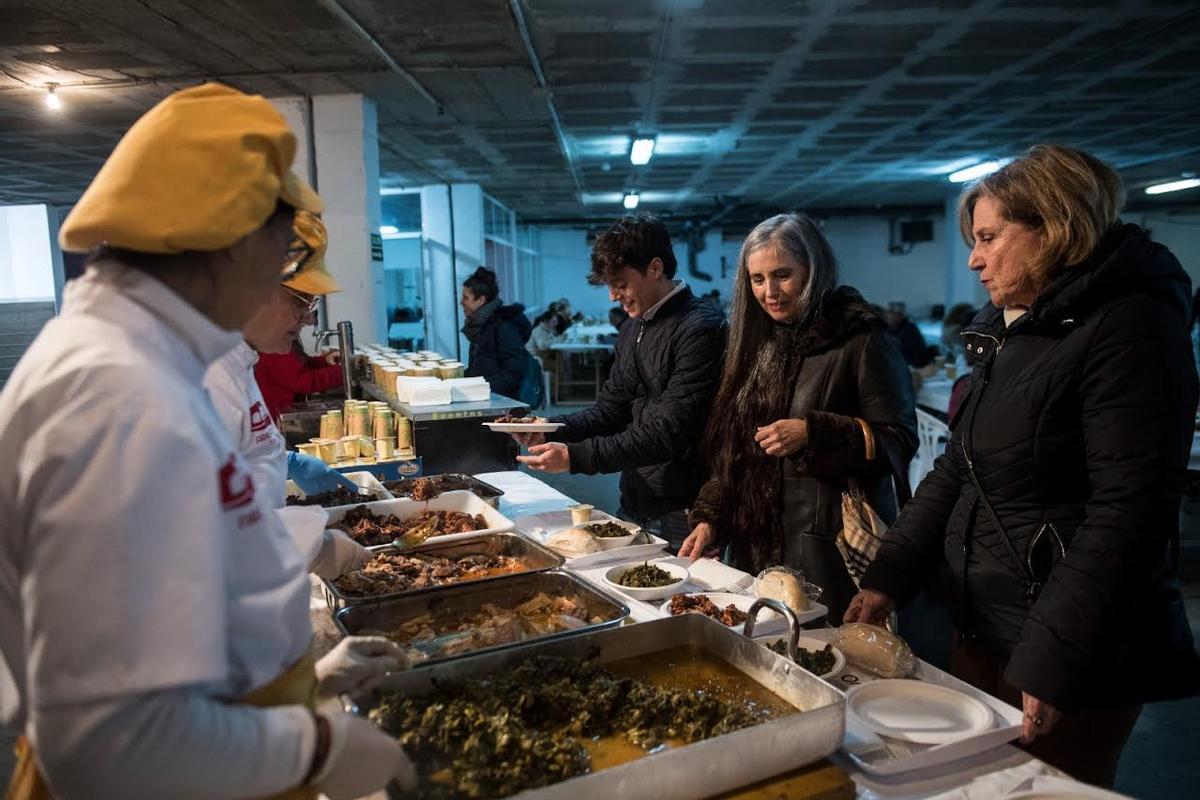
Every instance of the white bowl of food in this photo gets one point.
(812, 654)
(646, 581)
(611, 533)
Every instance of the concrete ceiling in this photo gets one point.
(758, 104)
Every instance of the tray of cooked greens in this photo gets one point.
(675, 708)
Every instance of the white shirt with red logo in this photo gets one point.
(235, 394)
(135, 554)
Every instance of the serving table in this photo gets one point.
(994, 773)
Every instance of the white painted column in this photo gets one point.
(452, 245)
(295, 111)
(346, 157)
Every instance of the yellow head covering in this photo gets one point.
(199, 171)
(314, 277)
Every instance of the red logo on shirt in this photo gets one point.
(260, 420)
(237, 489)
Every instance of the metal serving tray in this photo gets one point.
(481, 489)
(702, 769)
(447, 605)
(536, 557)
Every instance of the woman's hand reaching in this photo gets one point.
(869, 606)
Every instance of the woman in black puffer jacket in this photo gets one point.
(1054, 514)
(814, 394)
(497, 334)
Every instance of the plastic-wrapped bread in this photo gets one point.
(783, 585)
(875, 649)
(573, 542)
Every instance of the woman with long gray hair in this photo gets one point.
(814, 395)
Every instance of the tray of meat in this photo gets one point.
(431, 486)
(400, 572)
(449, 516)
(340, 496)
(473, 618)
(511, 423)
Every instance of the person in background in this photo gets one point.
(543, 335)
(616, 318)
(285, 378)
(154, 612)
(239, 403)
(814, 395)
(907, 335)
(1053, 516)
(650, 416)
(497, 334)
(957, 341)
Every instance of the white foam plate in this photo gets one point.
(768, 620)
(523, 427)
(915, 711)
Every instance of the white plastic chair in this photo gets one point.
(932, 435)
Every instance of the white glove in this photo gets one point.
(362, 759)
(338, 555)
(357, 664)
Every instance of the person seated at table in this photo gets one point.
(907, 335)
(1053, 517)
(649, 418)
(814, 397)
(497, 334)
(616, 318)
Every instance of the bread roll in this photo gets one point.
(784, 587)
(573, 542)
(875, 649)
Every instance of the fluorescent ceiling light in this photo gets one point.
(388, 229)
(977, 171)
(600, 146)
(1173, 186)
(641, 151)
(53, 102)
(631, 201)
(592, 198)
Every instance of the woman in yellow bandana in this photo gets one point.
(153, 613)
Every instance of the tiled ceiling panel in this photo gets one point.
(757, 105)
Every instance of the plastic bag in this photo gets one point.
(875, 649)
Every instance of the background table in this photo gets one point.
(562, 374)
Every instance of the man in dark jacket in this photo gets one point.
(907, 335)
(651, 413)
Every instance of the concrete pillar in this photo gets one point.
(452, 241)
(346, 155)
(337, 151)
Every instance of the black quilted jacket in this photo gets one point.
(650, 416)
(1080, 418)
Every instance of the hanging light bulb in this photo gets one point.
(52, 100)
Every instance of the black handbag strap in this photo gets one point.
(1030, 579)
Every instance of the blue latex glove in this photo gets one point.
(314, 476)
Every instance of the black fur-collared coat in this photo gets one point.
(845, 367)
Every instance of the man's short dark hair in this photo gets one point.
(631, 242)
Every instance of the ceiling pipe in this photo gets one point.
(341, 13)
(518, 16)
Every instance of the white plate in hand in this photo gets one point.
(523, 427)
(915, 711)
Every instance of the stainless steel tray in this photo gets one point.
(702, 769)
(536, 557)
(447, 605)
(481, 489)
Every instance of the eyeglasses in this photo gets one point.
(298, 254)
(307, 304)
